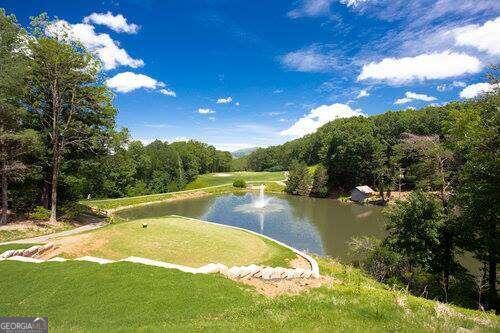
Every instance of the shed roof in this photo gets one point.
(365, 189)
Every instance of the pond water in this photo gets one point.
(321, 226)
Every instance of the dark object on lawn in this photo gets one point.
(144, 225)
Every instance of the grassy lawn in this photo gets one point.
(204, 185)
(176, 240)
(81, 296)
(214, 179)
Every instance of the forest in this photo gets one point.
(446, 157)
(59, 142)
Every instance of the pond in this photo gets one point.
(321, 226)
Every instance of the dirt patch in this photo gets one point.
(273, 288)
(75, 246)
(443, 310)
(222, 175)
(300, 262)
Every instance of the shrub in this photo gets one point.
(39, 213)
(72, 210)
(240, 183)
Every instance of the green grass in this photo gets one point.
(206, 184)
(7, 247)
(82, 297)
(214, 179)
(177, 240)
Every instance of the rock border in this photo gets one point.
(312, 262)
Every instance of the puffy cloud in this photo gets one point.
(205, 111)
(484, 37)
(223, 100)
(168, 92)
(127, 81)
(102, 45)
(116, 23)
(318, 117)
(310, 8)
(477, 89)
(411, 96)
(363, 93)
(310, 59)
(422, 67)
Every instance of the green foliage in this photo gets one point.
(320, 182)
(240, 183)
(299, 180)
(414, 228)
(39, 213)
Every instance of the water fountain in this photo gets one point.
(261, 201)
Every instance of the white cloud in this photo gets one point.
(450, 86)
(116, 23)
(422, 67)
(237, 103)
(102, 45)
(310, 8)
(127, 81)
(223, 100)
(233, 146)
(310, 59)
(318, 117)
(168, 92)
(484, 37)
(477, 89)
(363, 93)
(411, 96)
(205, 111)
(353, 3)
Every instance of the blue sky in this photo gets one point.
(239, 74)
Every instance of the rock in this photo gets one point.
(306, 274)
(266, 273)
(212, 268)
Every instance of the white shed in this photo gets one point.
(361, 193)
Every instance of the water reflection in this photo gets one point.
(321, 226)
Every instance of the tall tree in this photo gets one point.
(14, 140)
(73, 108)
(475, 135)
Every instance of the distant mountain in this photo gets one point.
(243, 152)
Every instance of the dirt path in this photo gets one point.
(97, 223)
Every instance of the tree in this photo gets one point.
(414, 227)
(73, 108)
(320, 182)
(296, 176)
(15, 140)
(475, 137)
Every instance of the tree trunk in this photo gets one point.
(5, 207)
(492, 280)
(55, 177)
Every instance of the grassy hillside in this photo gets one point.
(176, 240)
(213, 183)
(214, 179)
(81, 296)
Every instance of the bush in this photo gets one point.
(240, 183)
(39, 213)
(72, 210)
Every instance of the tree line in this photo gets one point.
(58, 137)
(448, 156)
